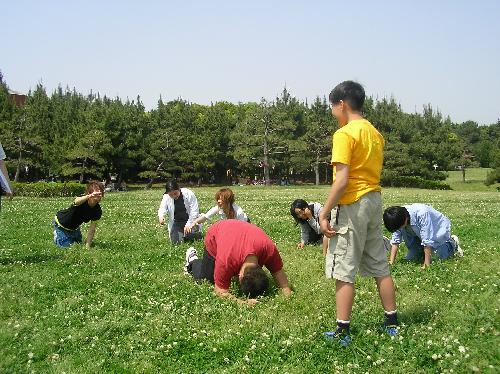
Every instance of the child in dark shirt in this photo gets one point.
(84, 209)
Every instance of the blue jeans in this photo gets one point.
(416, 249)
(64, 238)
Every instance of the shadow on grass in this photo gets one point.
(30, 259)
(421, 314)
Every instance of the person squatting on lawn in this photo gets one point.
(181, 205)
(5, 185)
(84, 209)
(225, 209)
(237, 248)
(307, 216)
(356, 240)
(424, 230)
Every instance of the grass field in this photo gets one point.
(125, 306)
(474, 180)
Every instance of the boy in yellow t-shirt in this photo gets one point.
(355, 228)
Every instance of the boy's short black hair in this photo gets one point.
(395, 217)
(297, 204)
(254, 282)
(350, 92)
(171, 185)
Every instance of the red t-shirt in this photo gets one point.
(230, 241)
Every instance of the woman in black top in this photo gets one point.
(84, 209)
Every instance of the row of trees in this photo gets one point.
(67, 135)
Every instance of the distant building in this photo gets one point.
(17, 97)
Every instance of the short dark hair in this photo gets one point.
(349, 91)
(395, 217)
(297, 204)
(93, 186)
(254, 282)
(171, 185)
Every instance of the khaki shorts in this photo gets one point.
(359, 243)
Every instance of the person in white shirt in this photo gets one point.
(225, 209)
(5, 185)
(307, 216)
(181, 205)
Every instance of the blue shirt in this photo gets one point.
(432, 227)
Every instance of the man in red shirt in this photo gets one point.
(237, 248)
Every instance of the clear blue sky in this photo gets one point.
(446, 53)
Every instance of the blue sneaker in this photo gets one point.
(390, 330)
(340, 335)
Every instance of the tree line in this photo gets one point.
(65, 135)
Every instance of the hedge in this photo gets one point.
(48, 189)
(390, 179)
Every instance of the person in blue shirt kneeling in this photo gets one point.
(424, 230)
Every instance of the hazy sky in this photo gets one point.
(446, 53)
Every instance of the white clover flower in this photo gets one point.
(461, 349)
(434, 356)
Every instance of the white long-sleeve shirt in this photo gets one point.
(190, 201)
(239, 213)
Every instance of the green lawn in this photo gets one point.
(125, 306)
(474, 180)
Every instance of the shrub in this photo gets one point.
(391, 179)
(48, 189)
(493, 177)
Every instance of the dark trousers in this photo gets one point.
(203, 269)
(177, 234)
(314, 237)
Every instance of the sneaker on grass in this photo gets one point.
(391, 330)
(339, 335)
(459, 252)
(191, 255)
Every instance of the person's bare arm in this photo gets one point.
(336, 192)
(427, 257)
(394, 252)
(90, 234)
(224, 293)
(197, 221)
(282, 281)
(81, 199)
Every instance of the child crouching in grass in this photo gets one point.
(424, 230)
(307, 216)
(84, 209)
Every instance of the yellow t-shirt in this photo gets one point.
(359, 145)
